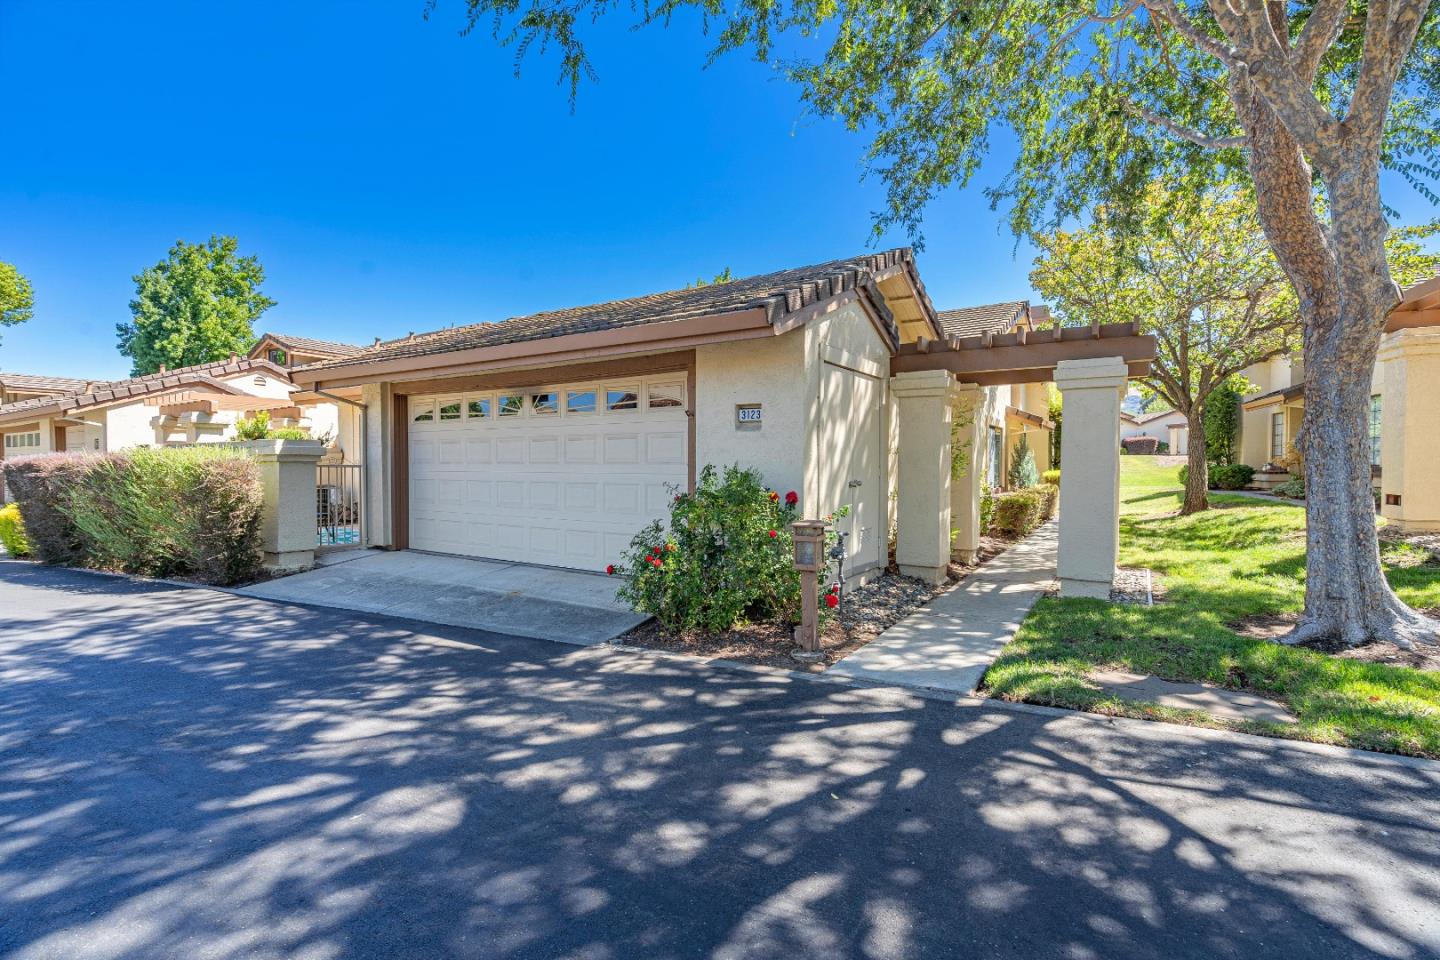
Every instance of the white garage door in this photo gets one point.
(561, 475)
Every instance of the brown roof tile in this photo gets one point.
(206, 373)
(309, 345)
(975, 321)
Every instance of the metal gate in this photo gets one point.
(339, 506)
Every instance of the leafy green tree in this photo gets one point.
(17, 297)
(1309, 99)
(1222, 423)
(1199, 277)
(722, 277)
(198, 305)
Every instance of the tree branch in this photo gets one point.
(1322, 28)
(1180, 130)
(1390, 29)
(1270, 70)
(1174, 16)
(1092, 18)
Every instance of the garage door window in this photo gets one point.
(478, 408)
(450, 410)
(580, 401)
(511, 404)
(622, 397)
(667, 395)
(545, 404)
(423, 412)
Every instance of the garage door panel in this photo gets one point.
(566, 489)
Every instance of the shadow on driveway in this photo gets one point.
(189, 774)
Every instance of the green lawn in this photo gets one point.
(1242, 559)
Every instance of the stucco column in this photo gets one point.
(287, 520)
(922, 546)
(379, 428)
(1409, 403)
(1092, 391)
(965, 491)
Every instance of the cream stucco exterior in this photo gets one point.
(1090, 492)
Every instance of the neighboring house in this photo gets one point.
(1167, 426)
(15, 387)
(198, 404)
(1404, 418)
(331, 418)
(554, 438)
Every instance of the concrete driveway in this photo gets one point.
(511, 598)
(190, 774)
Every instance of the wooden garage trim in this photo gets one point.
(678, 362)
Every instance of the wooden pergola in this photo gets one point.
(1027, 356)
(179, 402)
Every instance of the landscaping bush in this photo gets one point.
(1017, 513)
(1231, 476)
(1022, 473)
(179, 512)
(258, 427)
(12, 531)
(726, 556)
(1293, 488)
(1051, 477)
(987, 507)
(1140, 445)
(1049, 499)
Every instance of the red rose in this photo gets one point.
(610, 569)
(773, 534)
(656, 562)
(831, 600)
(792, 498)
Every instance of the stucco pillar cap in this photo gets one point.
(923, 383)
(1093, 374)
(1409, 343)
(284, 450)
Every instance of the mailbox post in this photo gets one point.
(809, 539)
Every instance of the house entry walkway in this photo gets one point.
(949, 644)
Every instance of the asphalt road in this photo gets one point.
(193, 775)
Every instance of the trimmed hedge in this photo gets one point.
(1049, 499)
(1017, 512)
(12, 531)
(175, 512)
(1051, 477)
(1232, 476)
(1140, 445)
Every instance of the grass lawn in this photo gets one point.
(1243, 559)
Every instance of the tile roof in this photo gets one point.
(974, 321)
(780, 293)
(309, 345)
(103, 393)
(1284, 393)
(38, 383)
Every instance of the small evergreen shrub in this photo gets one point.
(1140, 445)
(1017, 513)
(725, 557)
(1049, 499)
(1051, 477)
(1022, 473)
(12, 531)
(1293, 488)
(987, 507)
(1231, 476)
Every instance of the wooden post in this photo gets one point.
(809, 540)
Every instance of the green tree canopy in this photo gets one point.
(17, 297)
(198, 305)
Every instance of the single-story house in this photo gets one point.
(197, 404)
(553, 438)
(1405, 395)
(1168, 426)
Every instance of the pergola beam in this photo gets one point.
(1024, 357)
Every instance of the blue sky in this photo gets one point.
(393, 176)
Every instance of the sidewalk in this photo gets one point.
(948, 644)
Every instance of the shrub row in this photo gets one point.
(1230, 476)
(1140, 445)
(1017, 512)
(174, 512)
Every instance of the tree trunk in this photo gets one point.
(1197, 480)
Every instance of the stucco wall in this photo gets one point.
(128, 425)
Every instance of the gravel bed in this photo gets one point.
(1134, 586)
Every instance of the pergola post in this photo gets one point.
(922, 546)
(1092, 391)
(1409, 457)
(965, 492)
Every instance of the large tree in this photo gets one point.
(1199, 276)
(198, 305)
(1311, 99)
(17, 297)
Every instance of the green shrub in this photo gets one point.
(1051, 477)
(288, 433)
(1017, 512)
(726, 556)
(12, 531)
(256, 427)
(1231, 476)
(1049, 499)
(177, 512)
(1022, 473)
(1293, 488)
(987, 507)
(1140, 445)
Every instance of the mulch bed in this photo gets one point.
(865, 614)
(1270, 626)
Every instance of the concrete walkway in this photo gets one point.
(948, 644)
(512, 598)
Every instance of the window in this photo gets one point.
(423, 412)
(667, 395)
(511, 404)
(277, 357)
(1375, 430)
(545, 403)
(622, 398)
(478, 408)
(449, 409)
(1277, 435)
(579, 401)
(22, 441)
